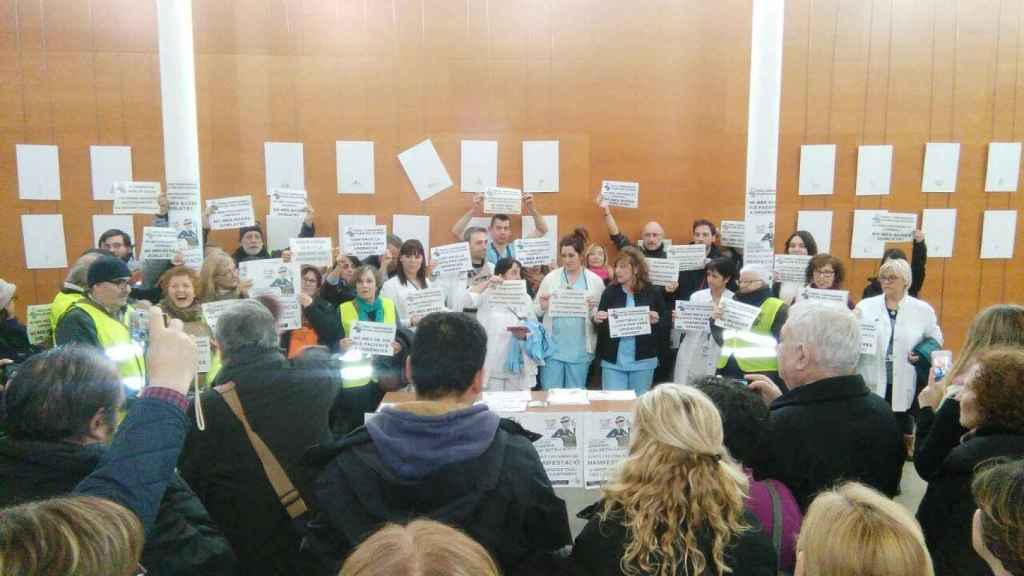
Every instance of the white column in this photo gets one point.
(178, 91)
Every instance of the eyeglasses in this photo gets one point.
(121, 284)
(888, 278)
(824, 273)
(747, 282)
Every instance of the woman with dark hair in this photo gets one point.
(504, 323)
(411, 277)
(799, 243)
(574, 337)
(320, 321)
(990, 408)
(918, 262)
(998, 532)
(698, 351)
(826, 272)
(367, 306)
(629, 362)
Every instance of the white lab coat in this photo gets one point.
(496, 320)
(698, 352)
(394, 290)
(915, 321)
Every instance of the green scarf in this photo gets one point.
(366, 310)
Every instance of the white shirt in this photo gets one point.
(397, 293)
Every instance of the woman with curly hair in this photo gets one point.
(992, 411)
(676, 505)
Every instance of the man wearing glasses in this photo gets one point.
(752, 351)
(103, 319)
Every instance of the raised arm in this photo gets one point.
(460, 226)
(613, 227)
(540, 226)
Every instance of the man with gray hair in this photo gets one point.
(752, 351)
(829, 427)
(257, 392)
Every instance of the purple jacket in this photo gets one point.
(760, 503)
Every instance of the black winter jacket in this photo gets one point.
(287, 405)
(918, 261)
(184, 539)
(502, 499)
(830, 431)
(947, 510)
(647, 346)
(600, 546)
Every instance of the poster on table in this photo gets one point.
(560, 447)
(605, 444)
(632, 321)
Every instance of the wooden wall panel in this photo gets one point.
(654, 90)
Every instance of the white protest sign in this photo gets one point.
(203, 354)
(732, 233)
(568, 303)
(213, 310)
(160, 243)
(533, 251)
(365, 241)
(689, 256)
(663, 271)
(507, 401)
(605, 444)
(625, 322)
(503, 200)
(792, 267)
(559, 447)
(233, 212)
(37, 323)
(508, 293)
(185, 215)
(373, 337)
(312, 251)
(759, 232)
(693, 316)
(451, 258)
(288, 202)
(291, 312)
(136, 198)
(868, 337)
(621, 194)
(272, 275)
(737, 315)
(832, 297)
(893, 227)
(423, 302)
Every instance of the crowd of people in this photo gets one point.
(774, 449)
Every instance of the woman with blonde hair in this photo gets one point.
(80, 535)
(218, 278)
(677, 504)
(998, 527)
(853, 530)
(420, 547)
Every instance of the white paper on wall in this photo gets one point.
(863, 243)
(285, 166)
(999, 233)
(817, 169)
(38, 172)
(540, 166)
(479, 165)
(109, 164)
(42, 235)
(941, 160)
(425, 170)
(103, 222)
(412, 227)
(281, 229)
(939, 228)
(346, 220)
(819, 224)
(1003, 168)
(355, 167)
(874, 170)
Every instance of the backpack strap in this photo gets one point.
(776, 518)
(286, 492)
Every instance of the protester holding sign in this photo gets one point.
(252, 241)
(698, 351)
(752, 351)
(500, 230)
(918, 262)
(826, 272)
(357, 367)
(412, 277)
(320, 323)
(799, 243)
(597, 262)
(14, 344)
(574, 336)
(218, 278)
(505, 310)
(629, 362)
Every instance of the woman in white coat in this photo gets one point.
(412, 277)
(575, 339)
(698, 351)
(504, 322)
(900, 322)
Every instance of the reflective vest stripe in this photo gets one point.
(116, 340)
(754, 349)
(61, 303)
(357, 368)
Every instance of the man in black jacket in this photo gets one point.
(61, 410)
(829, 427)
(442, 457)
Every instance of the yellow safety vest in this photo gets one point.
(357, 368)
(754, 349)
(61, 303)
(116, 339)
